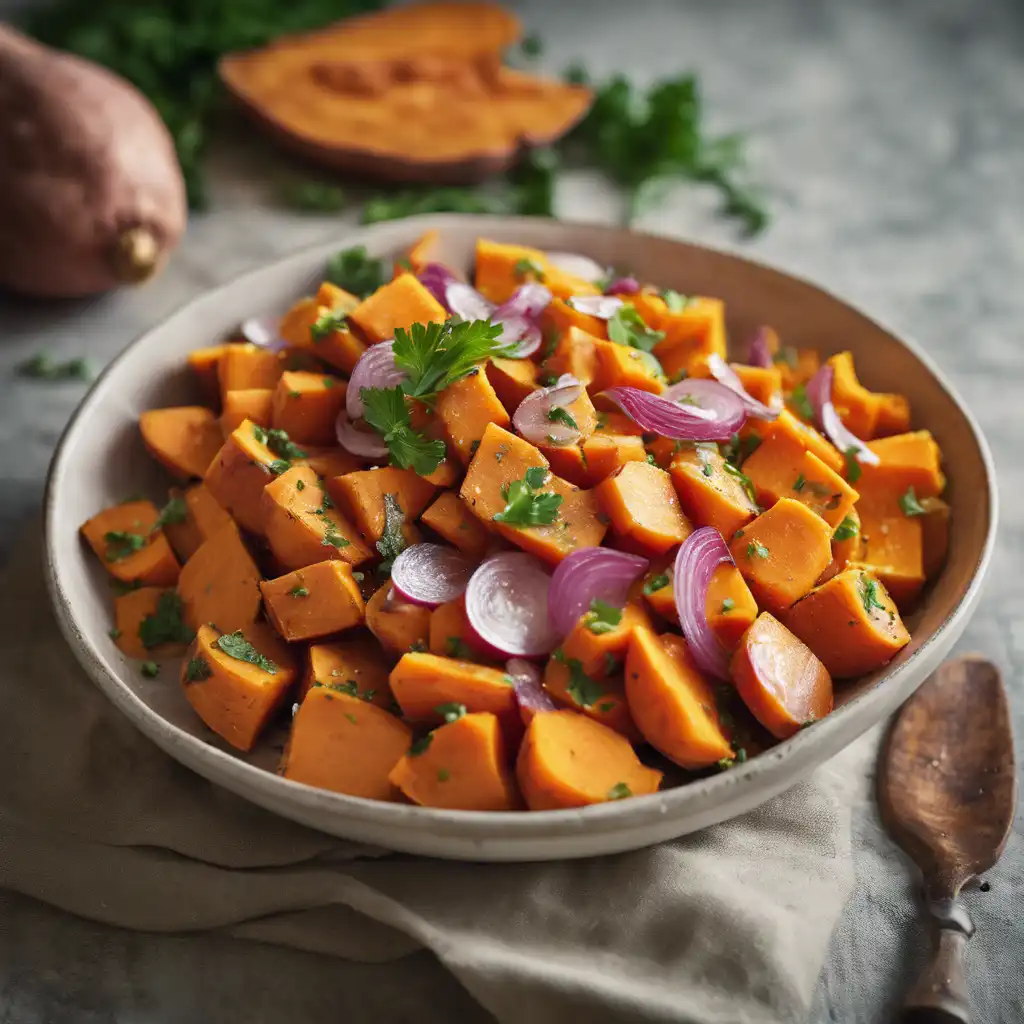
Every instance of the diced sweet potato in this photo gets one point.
(128, 545)
(691, 334)
(245, 366)
(355, 666)
(314, 601)
(450, 632)
(423, 682)
(804, 435)
(253, 404)
(709, 492)
(399, 625)
(644, 509)
(598, 697)
(203, 364)
(450, 518)
(934, 536)
(893, 415)
(362, 495)
(574, 352)
(502, 268)
(622, 366)
(761, 382)
(512, 380)
(184, 440)
(905, 461)
(306, 406)
(730, 607)
(465, 409)
(399, 303)
(329, 462)
(857, 407)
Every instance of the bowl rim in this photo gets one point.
(788, 759)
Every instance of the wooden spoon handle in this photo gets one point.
(940, 995)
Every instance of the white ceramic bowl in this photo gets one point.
(100, 460)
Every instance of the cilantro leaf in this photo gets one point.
(627, 327)
(436, 355)
(234, 645)
(800, 483)
(602, 617)
(451, 712)
(355, 271)
(846, 530)
(386, 411)
(524, 506)
(121, 544)
(909, 504)
(165, 624)
(172, 513)
(334, 538)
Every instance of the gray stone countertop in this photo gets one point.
(890, 136)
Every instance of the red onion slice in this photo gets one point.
(726, 376)
(819, 391)
(665, 416)
(375, 369)
(627, 285)
(431, 574)
(578, 266)
(358, 442)
(532, 420)
(698, 557)
(524, 334)
(507, 605)
(587, 574)
(466, 302)
(436, 277)
(530, 695)
(604, 307)
(529, 300)
(263, 331)
(760, 354)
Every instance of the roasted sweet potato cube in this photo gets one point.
(314, 602)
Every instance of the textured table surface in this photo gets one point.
(891, 139)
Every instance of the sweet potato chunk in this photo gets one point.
(131, 610)
(306, 406)
(399, 303)
(512, 380)
(622, 366)
(850, 623)
(644, 509)
(574, 352)
(184, 440)
(568, 760)
(341, 742)
(450, 518)
(461, 765)
(597, 696)
(691, 334)
(362, 495)
(709, 492)
(236, 681)
(332, 341)
(314, 601)
(673, 705)
(203, 364)
(857, 407)
(730, 606)
(253, 404)
(805, 436)
(129, 547)
(355, 666)
(450, 632)
(399, 625)
(245, 366)
(905, 461)
(465, 408)
(423, 682)
(779, 678)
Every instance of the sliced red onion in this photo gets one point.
(627, 285)
(577, 265)
(263, 331)
(726, 376)
(667, 417)
(431, 574)
(604, 307)
(760, 354)
(587, 574)
(528, 300)
(375, 369)
(358, 442)
(436, 277)
(522, 332)
(531, 418)
(507, 605)
(466, 302)
(698, 557)
(819, 392)
(530, 695)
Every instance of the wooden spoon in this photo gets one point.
(947, 789)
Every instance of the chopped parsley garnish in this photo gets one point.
(675, 301)
(166, 624)
(279, 443)
(584, 691)
(150, 669)
(745, 482)
(122, 587)
(602, 617)
(279, 466)
(655, 583)
(611, 665)
(386, 411)
(846, 530)
(910, 505)
(349, 688)
(114, 633)
(737, 450)
(392, 540)
(421, 745)
(730, 762)
(417, 646)
(355, 271)
(121, 544)
(619, 791)
(451, 712)
(300, 485)
(172, 513)
(755, 549)
(526, 268)
(234, 645)
(197, 669)
(43, 367)
(457, 648)
(299, 592)
(524, 506)
(800, 403)
(326, 323)
(626, 327)
(788, 355)
(558, 414)
(800, 483)
(727, 605)
(853, 470)
(531, 45)
(443, 775)
(869, 594)
(333, 538)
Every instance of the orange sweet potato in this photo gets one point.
(709, 492)
(597, 458)
(184, 440)
(934, 536)
(512, 380)
(306, 406)
(691, 334)
(130, 611)
(644, 509)
(805, 436)
(354, 666)
(730, 606)
(343, 743)
(782, 553)
(336, 346)
(399, 303)
(461, 765)
(362, 495)
(465, 408)
(129, 547)
(568, 760)
(893, 415)
(761, 382)
(850, 623)
(236, 681)
(502, 267)
(329, 462)
(592, 693)
(450, 634)
(253, 404)
(182, 534)
(857, 407)
(203, 364)
(244, 366)
(673, 705)
(450, 518)
(399, 625)
(622, 366)
(906, 460)
(220, 583)
(423, 682)
(574, 351)
(314, 601)
(779, 678)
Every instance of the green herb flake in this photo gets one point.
(524, 506)
(197, 669)
(619, 791)
(611, 664)
(298, 592)
(853, 470)
(451, 712)
(655, 583)
(744, 481)
(421, 745)
(121, 544)
(43, 367)
(800, 403)
(558, 414)
(457, 648)
(755, 549)
(312, 196)
(602, 617)
(800, 483)
(527, 269)
(234, 645)
(150, 669)
(333, 538)
(166, 623)
(584, 691)
(122, 587)
(627, 327)
(279, 466)
(173, 513)
(727, 605)
(532, 45)
(300, 485)
(846, 530)
(114, 633)
(327, 323)
(869, 594)
(605, 706)
(443, 775)
(417, 647)
(392, 540)
(355, 270)
(675, 301)
(910, 505)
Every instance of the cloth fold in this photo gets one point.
(730, 924)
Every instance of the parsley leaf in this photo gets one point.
(457, 648)
(619, 791)
(299, 592)
(197, 669)
(42, 367)
(910, 505)
(800, 483)
(150, 669)
(333, 538)
(524, 506)
(853, 470)
(655, 583)
(392, 540)
(421, 745)
(172, 513)
(451, 712)
(800, 403)
(730, 762)
(278, 442)
(326, 323)
(745, 482)
(386, 411)
(558, 414)
(355, 271)
(121, 544)
(585, 692)
(234, 645)
(675, 301)
(436, 355)
(626, 327)
(846, 530)
(602, 617)
(755, 549)
(165, 624)
(869, 594)
(527, 269)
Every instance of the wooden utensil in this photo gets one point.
(947, 788)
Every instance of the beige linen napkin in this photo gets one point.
(731, 924)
